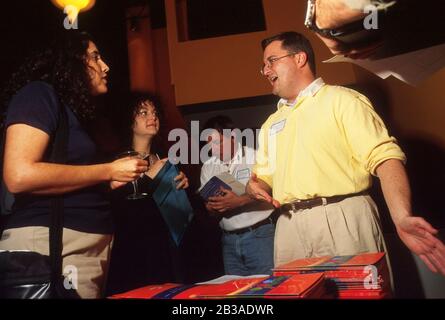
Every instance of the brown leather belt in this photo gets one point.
(315, 202)
(268, 220)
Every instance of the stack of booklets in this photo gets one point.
(309, 286)
(363, 276)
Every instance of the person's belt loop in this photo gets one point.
(324, 201)
(294, 210)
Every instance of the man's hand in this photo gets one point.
(211, 210)
(258, 189)
(331, 14)
(417, 234)
(339, 48)
(420, 237)
(228, 201)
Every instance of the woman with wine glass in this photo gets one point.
(67, 75)
(143, 252)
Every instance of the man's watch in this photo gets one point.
(351, 33)
(310, 23)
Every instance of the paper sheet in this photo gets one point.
(226, 278)
(412, 67)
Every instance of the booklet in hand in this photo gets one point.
(225, 180)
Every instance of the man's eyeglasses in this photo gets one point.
(271, 61)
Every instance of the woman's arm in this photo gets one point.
(24, 170)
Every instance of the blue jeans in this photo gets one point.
(249, 253)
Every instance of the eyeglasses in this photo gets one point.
(144, 114)
(271, 61)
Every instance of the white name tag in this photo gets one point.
(243, 174)
(277, 127)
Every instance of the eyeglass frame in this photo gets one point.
(154, 114)
(271, 61)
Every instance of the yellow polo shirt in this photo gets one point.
(328, 143)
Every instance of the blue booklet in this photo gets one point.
(213, 188)
(225, 180)
(173, 204)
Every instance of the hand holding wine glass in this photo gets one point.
(135, 155)
(127, 167)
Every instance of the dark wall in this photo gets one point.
(29, 25)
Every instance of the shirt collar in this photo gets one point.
(310, 90)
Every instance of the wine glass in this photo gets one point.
(152, 159)
(136, 194)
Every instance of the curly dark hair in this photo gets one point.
(132, 105)
(63, 65)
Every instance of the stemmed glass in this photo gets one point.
(152, 159)
(136, 194)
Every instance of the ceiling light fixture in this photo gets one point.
(73, 7)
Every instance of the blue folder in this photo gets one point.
(173, 204)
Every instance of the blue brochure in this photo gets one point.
(213, 188)
(225, 180)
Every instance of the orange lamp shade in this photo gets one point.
(81, 5)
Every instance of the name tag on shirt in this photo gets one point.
(277, 127)
(243, 174)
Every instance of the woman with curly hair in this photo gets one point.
(143, 251)
(69, 74)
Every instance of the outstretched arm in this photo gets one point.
(260, 190)
(26, 172)
(417, 234)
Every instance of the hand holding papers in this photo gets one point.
(225, 180)
(412, 67)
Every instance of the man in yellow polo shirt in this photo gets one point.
(315, 160)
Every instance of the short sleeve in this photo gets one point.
(206, 174)
(36, 105)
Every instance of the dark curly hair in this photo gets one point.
(63, 65)
(132, 105)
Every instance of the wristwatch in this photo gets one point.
(351, 33)
(310, 20)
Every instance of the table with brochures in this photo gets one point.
(364, 276)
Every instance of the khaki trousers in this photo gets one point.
(349, 227)
(85, 255)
